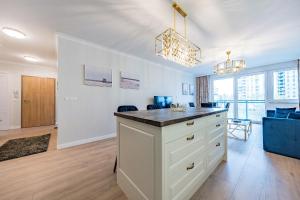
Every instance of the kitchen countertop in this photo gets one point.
(165, 117)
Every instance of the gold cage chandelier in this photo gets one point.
(229, 66)
(175, 47)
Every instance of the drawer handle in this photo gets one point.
(190, 138)
(218, 125)
(190, 123)
(218, 144)
(218, 115)
(190, 167)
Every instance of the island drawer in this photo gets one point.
(182, 147)
(176, 131)
(216, 151)
(218, 118)
(183, 175)
(215, 130)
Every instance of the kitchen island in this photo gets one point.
(164, 155)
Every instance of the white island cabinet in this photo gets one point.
(166, 155)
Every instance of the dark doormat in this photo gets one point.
(17, 148)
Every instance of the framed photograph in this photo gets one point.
(129, 81)
(185, 89)
(191, 89)
(97, 76)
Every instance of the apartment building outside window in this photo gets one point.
(285, 85)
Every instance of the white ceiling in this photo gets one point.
(260, 31)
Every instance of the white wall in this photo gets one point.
(15, 71)
(85, 113)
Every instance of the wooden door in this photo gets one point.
(30, 101)
(38, 101)
(47, 101)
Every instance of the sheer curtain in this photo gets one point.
(202, 90)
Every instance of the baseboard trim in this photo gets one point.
(15, 127)
(85, 141)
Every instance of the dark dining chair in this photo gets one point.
(125, 108)
(209, 105)
(227, 105)
(153, 107)
(191, 104)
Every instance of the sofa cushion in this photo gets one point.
(270, 113)
(283, 112)
(294, 115)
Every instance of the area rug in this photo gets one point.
(20, 147)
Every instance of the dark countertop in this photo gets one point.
(165, 117)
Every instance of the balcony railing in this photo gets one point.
(247, 109)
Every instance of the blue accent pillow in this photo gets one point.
(295, 115)
(283, 112)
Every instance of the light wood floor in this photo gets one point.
(85, 173)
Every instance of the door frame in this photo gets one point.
(7, 100)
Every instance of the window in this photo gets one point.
(223, 89)
(285, 85)
(251, 97)
(223, 93)
(251, 94)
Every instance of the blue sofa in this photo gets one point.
(281, 135)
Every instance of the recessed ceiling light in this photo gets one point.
(30, 59)
(13, 33)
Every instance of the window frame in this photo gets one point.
(268, 70)
(211, 97)
(271, 87)
(264, 73)
(213, 85)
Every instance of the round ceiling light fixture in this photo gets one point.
(11, 32)
(30, 59)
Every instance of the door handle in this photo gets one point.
(190, 138)
(218, 125)
(26, 101)
(218, 144)
(190, 123)
(190, 167)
